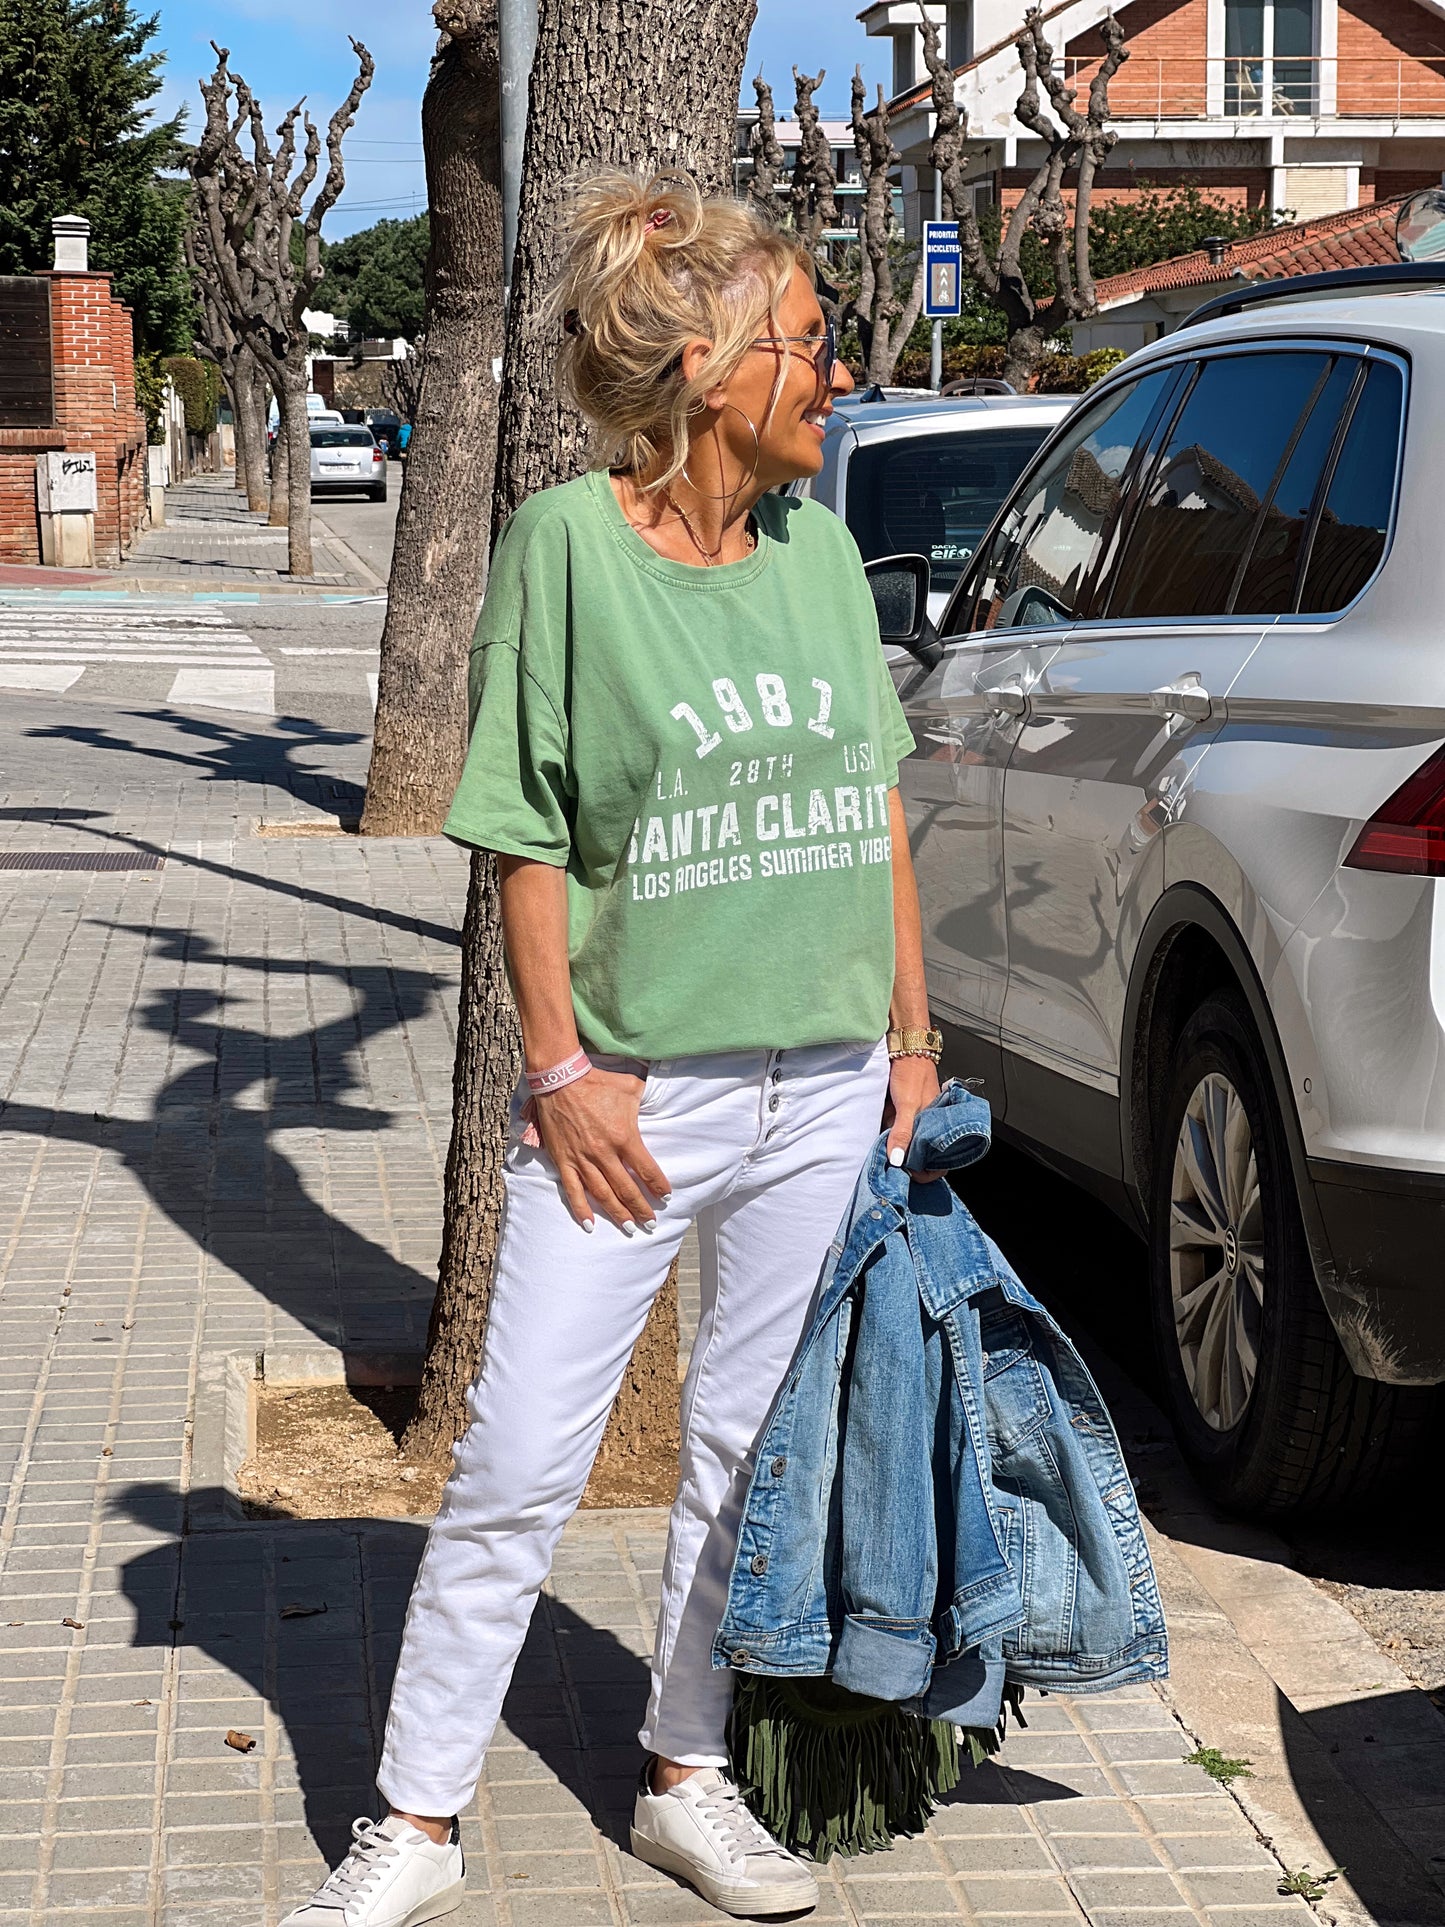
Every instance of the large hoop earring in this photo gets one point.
(728, 493)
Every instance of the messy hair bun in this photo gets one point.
(649, 266)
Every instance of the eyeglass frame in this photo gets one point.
(824, 361)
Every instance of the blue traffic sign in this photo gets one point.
(942, 270)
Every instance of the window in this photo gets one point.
(26, 394)
(959, 40)
(934, 495)
(1199, 507)
(342, 438)
(1266, 587)
(1269, 65)
(903, 62)
(1051, 534)
(1349, 538)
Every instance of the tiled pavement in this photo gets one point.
(210, 532)
(225, 1088)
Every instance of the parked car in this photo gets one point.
(385, 424)
(927, 476)
(1178, 814)
(347, 461)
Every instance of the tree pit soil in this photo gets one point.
(332, 1451)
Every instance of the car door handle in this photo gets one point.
(1188, 698)
(1006, 699)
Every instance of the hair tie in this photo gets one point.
(659, 217)
(573, 324)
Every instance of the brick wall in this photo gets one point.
(1166, 69)
(1390, 50)
(95, 411)
(1235, 186)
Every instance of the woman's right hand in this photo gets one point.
(589, 1129)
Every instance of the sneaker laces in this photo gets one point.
(735, 1824)
(360, 1867)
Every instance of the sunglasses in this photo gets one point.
(825, 346)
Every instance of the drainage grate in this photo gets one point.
(80, 860)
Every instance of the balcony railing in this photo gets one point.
(1235, 87)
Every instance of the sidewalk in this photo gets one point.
(212, 544)
(224, 1096)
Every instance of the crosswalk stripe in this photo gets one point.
(173, 656)
(53, 677)
(252, 690)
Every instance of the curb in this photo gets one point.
(1266, 1667)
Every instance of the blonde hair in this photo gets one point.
(649, 266)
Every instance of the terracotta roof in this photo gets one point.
(1356, 237)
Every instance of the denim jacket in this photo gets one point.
(939, 1500)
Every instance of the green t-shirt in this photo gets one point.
(709, 753)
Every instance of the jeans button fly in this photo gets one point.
(773, 1103)
(759, 1564)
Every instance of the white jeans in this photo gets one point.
(762, 1149)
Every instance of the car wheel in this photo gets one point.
(1267, 1407)
(378, 495)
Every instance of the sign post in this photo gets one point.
(942, 282)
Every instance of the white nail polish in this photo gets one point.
(587, 1224)
(647, 1224)
(663, 1203)
(895, 1157)
(627, 1227)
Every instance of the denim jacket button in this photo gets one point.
(741, 1657)
(760, 1564)
(778, 1468)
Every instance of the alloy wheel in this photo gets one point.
(1216, 1252)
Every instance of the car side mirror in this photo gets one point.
(900, 586)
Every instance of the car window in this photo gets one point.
(341, 438)
(1349, 538)
(1266, 588)
(1050, 533)
(1199, 507)
(934, 495)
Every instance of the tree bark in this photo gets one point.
(251, 432)
(634, 83)
(439, 558)
(280, 466)
(297, 428)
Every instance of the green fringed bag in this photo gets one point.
(828, 1771)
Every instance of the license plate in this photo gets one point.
(350, 467)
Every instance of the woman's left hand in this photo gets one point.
(912, 1086)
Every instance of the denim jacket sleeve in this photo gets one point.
(886, 1645)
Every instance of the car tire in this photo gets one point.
(378, 495)
(1268, 1410)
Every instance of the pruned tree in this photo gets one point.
(813, 190)
(401, 380)
(766, 151)
(1075, 144)
(671, 104)
(252, 205)
(218, 341)
(439, 557)
(885, 318)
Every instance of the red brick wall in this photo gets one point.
(1384, 183)
(1166, 68)
(1235, 186)
(1376, 36)
(95, 409)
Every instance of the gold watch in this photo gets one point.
(915, 1041)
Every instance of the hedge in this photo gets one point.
(1058, 374)
(198, 383)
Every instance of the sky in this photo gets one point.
(285, 49)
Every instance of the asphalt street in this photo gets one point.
(366, 527)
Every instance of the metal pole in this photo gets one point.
(935, 357)
(518, 35)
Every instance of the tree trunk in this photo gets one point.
(297, 428)
(1024, 353)
(439, 558)
(280, 466)
(251, 394)
(637, 83)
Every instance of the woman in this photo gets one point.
(684, 751)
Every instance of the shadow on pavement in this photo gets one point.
(208, 1157)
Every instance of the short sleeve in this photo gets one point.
(516, 790)
(897, 736)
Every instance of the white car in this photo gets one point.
(345, 460)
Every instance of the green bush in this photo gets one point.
(198, 383)
(150, 395)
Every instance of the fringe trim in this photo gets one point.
(828, 1771)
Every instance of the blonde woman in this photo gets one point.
(684, 751)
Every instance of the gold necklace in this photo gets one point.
(709, 556)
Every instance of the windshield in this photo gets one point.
(341, 438)
(934, 495)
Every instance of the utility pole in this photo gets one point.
(518, 33)
(935, 354)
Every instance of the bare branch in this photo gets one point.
(814, 182)
(946, 157)
(765, 149)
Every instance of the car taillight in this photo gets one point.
(1407, 833)
(377, 456)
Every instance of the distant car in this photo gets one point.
(924, 476)
(326, 417)
(385, 424)
(347, 461)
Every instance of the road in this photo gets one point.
(367, 527)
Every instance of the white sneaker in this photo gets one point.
(701, 1830)
(394, 1876)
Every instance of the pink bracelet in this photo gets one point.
(541, 1083)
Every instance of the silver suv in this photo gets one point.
(1178, 814)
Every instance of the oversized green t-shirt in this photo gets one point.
(709, 753)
